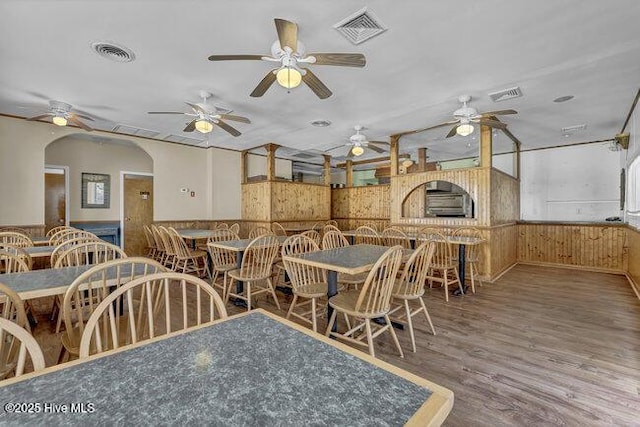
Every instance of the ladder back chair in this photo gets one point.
(168, 302)
(15, 239)
(410, 287)
(223, 260)
(366, 235)
(394, 236)
(444, 268)
(308, 283)
(15, 344)
(372, 301)
(90, 288)
(255, 270)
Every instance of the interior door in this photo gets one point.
(138, 211)
(54, 199)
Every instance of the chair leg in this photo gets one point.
(473, 282)
(292, 306)
(393, 334)
(273, 293)
(247, 285)
(445, 277)
(59, 321)
(330, 323)
(426, 313)
(367, 324)
(314, 320)
(410, 325)
(63, 352)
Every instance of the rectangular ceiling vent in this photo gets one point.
(302, 155)
(131, 130)
(570, 130)
(360, 26)
(503, 95)
(183, 139)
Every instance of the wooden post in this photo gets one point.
(243, 166)
(271, 161)
(422, 159)
(349, 173)
(517, 165)
(486, 140)
(327, 169)
(393, 154)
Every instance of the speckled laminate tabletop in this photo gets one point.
(39, 251)
(240, 245)
(38, 281)
(249, 371)
(194, 233)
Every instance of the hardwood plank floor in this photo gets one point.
(541, 346)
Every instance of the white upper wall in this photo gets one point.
(577, 183)
(226, 190)
(257, 165)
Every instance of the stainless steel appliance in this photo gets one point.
(449, 204)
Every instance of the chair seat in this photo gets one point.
(235, 274)
(352, 279)
(444, 266)
(196, 253)
(311, 290)
(346, 302)
(397, 292)
(225, 267)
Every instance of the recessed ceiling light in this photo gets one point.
(321, 123)
(563, 98)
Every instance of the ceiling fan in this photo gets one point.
(290, 53)
(358, 142)
(206, 116)
(61, 115)
(466, 116)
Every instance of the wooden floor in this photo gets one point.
(541, 346)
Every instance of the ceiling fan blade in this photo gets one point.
(492, 123)
(235, 57)
(40, 117)
(498, 113)
(228, 128)
(163, 112)
(316, 85)
(452, 132)
(264, 84)
(334, 148)
(378, 142)
(376, 149)
(287, 33)
(191, 126)
(340, 59)
(236, 118)
(427, 128)
(82, 116)
(78, 123)
(197, 108)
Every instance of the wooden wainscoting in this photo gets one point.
(300, 201)
(633, 261)
(256, 201)
(32, 230)
(355, 206)
(505, 198)
(599, 247)
(502, 249)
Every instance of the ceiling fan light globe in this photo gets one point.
(59, 120)
(204, 126)
(289, 77)
(464, 129)
(357, 151)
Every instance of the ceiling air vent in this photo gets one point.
(570, 130)
(130, 130)
(183, 139)
(113, 51)
(503, 95)
(360, 26)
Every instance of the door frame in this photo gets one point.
(67, 202)
(122, 174)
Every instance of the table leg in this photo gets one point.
(462, 286)
(332, 289)
(239, 283)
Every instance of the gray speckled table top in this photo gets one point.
(240, 245)
(39, 251)
(195, 233)
(249, 371)
(40, 240)
(36, 283)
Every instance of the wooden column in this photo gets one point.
(349, 173)
(393, 154)
(517, 160)
(422, 159)
(243, 166)
(271, 161)
(486, 141)
(327, 169)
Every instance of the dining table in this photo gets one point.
(254, 368)
(44, 251)
(40, 240)
(194, 234)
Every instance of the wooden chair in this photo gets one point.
(223, 260)
(90, 288)
(11, 261)
(71, 234)
(332, 222)
(329, 227)
(188, 260)
(169, 247)
(278, 229)
(54, 230)
(314, 235)
(366, 235)
(86, 253)
(169, 302)
(394, 236)
(373, 301)
(334, 239)
(260, 231)
(410, 287)
(222, 226)
(307, 283)
(161, 253)
(15, 239)
(472, 254)
(65, 245)
(12, 308)
(152, 248)
(14, 230)
(15, 343)
(444, 269)
(256, 270)
(235, 227)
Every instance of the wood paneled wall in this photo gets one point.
(355, 206)
(297, 201)
(501, 248)
(633, 262)
(600, 247)
(505, 198)
(256, 201)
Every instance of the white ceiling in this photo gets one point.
(432, 53)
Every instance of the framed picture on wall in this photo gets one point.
(96, 190)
